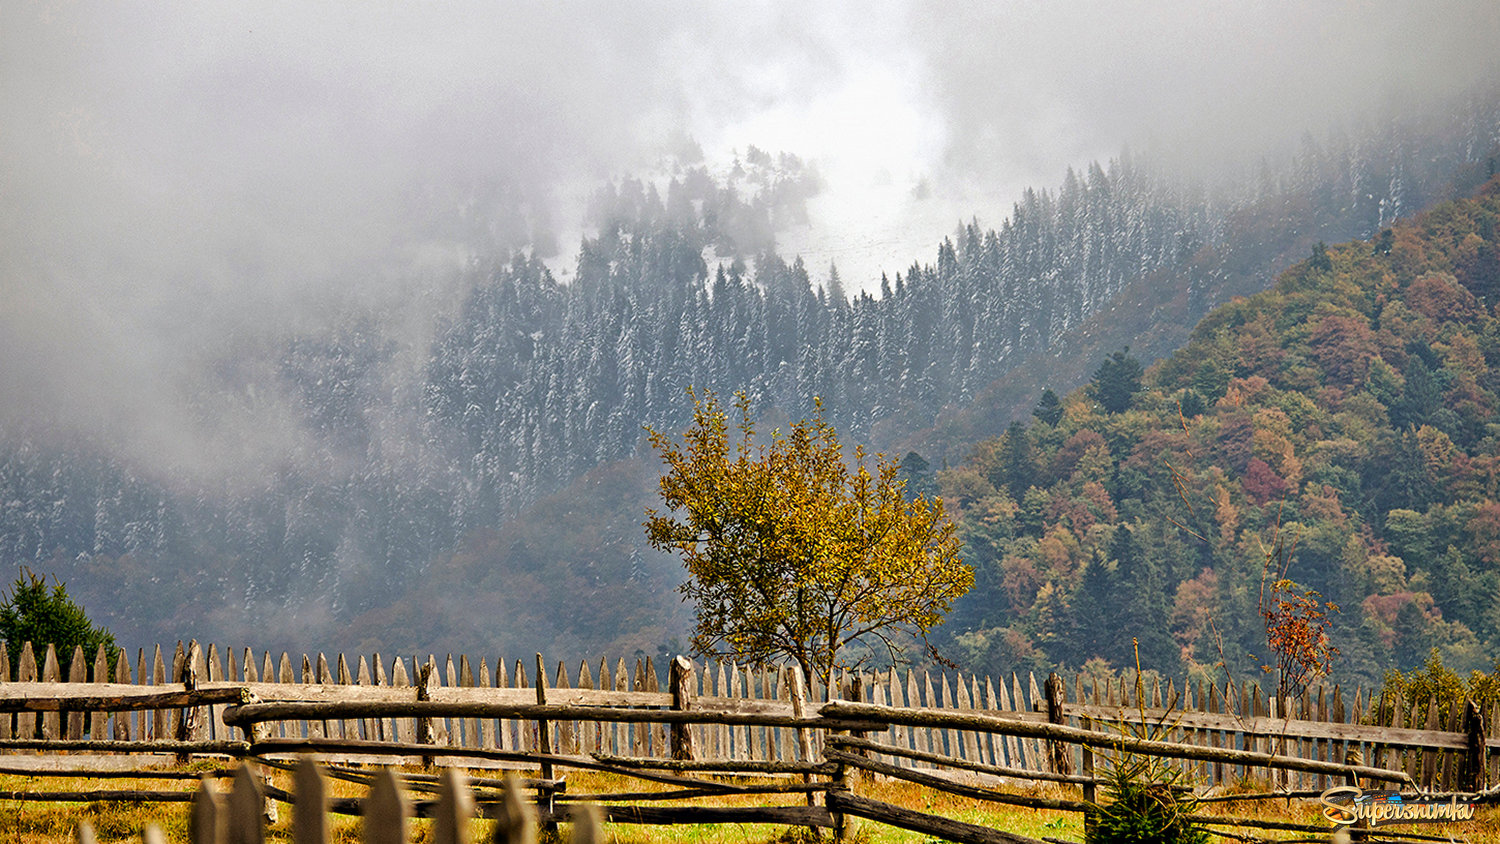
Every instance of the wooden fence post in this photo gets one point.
(1471, 773)
(680, 684)
(187, 720)
(1354, 757)
(424, 723)
(1429, 756)
(857, 694)
(1060, 754)
(544, 746)
(7, 721)
(543, 727)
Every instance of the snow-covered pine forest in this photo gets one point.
(533, 381)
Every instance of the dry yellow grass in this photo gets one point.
(40, 822)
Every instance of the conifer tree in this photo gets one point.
(1116, 382)
(1048, 408)
(1017, 469)
(33, 613)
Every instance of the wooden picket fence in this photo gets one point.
(1428, 744)
(938, 730)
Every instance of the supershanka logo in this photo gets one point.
(1345, 804)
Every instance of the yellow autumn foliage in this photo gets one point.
(791, 551)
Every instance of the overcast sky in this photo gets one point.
(178, 181)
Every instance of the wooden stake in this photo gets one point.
(455, 807)
(209, 821)
(386, 811)
(680, 684)
(310, 812)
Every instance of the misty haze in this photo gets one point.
(341, 327)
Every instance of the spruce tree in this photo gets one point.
(1091, 605)
(1116, 382)
(1048, 408)
(1017, 469)
(33, 613)
(1139, 605)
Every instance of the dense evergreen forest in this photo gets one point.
(1342, 429)
(435, 504)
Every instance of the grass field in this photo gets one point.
(38, 822)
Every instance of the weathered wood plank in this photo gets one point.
(7, 721)
(992, 703)
(194, 720)
(780, 744)
(177, 669)
(1035, 750)
(743, 683)
(455, 808)
(216, 728)
(486, 725)
(405, 729)
(1029, 752)
(914, 699)
(285, 676)
(247, 801)
(383, 729)
(348, 728)
(567, 729)
(310, 812)
(505, 738)
(123, 721)
(470, 725)
(208, 821)
(724, 693)
(588, 731)
(515, 820)
(51, 722)
(77, 673)
(386, 810)
(98, 721)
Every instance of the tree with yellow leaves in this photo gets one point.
(792, 552)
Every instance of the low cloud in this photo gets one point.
(182, 186)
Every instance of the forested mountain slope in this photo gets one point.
(402, 473)
(1353, 412)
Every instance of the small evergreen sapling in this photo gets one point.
(34, 613)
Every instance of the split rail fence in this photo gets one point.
(938, 729)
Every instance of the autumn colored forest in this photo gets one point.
(1342, 425)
